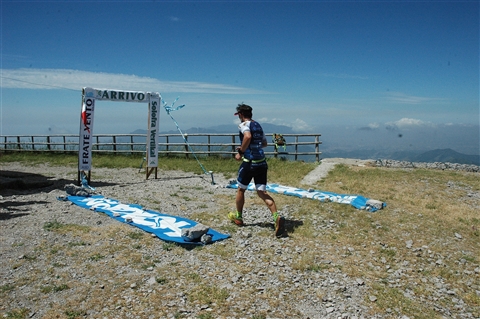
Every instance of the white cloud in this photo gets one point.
(45, 79)
(301, 126)
(370, 127)
(398, 97)
(407, 122)
(297, 125)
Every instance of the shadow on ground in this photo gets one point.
(21, 183)
(14, 209)
(290, 225)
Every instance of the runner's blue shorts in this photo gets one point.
(253, 170)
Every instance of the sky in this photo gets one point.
(361, 67)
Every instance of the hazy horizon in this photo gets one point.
(461, 138)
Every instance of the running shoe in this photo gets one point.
(237, 220)
(279, 227)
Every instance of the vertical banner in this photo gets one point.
(152, 135)
(86, 130)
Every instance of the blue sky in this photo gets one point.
(306, 64)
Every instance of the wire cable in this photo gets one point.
(171, 109)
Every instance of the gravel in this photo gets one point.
(327, 164)
(257, 272)
(434, 165)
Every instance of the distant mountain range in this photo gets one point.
(430, 156)
(438, 155)
(268, 128)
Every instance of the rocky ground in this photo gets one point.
(100, 268)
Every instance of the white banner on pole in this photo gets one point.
(152, 137)
(86, 130)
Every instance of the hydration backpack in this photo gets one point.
(279, 140)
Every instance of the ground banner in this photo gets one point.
(166, 227)
(356, 201)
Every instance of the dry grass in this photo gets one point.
(426, 207)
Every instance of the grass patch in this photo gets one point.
(53, 288)
(6, 288)
(222, 250)
(77, 243)
(56, 226)
(395, 300)
(208, 294)
(161, 280)
(17, 314)
(135, 235)
(72, 314)
(53, 225)
(168, 246)
(96, 257)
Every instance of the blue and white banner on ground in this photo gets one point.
(356, 201)
(165, 227)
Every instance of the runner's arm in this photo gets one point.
(264, 141)
(247, 137)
